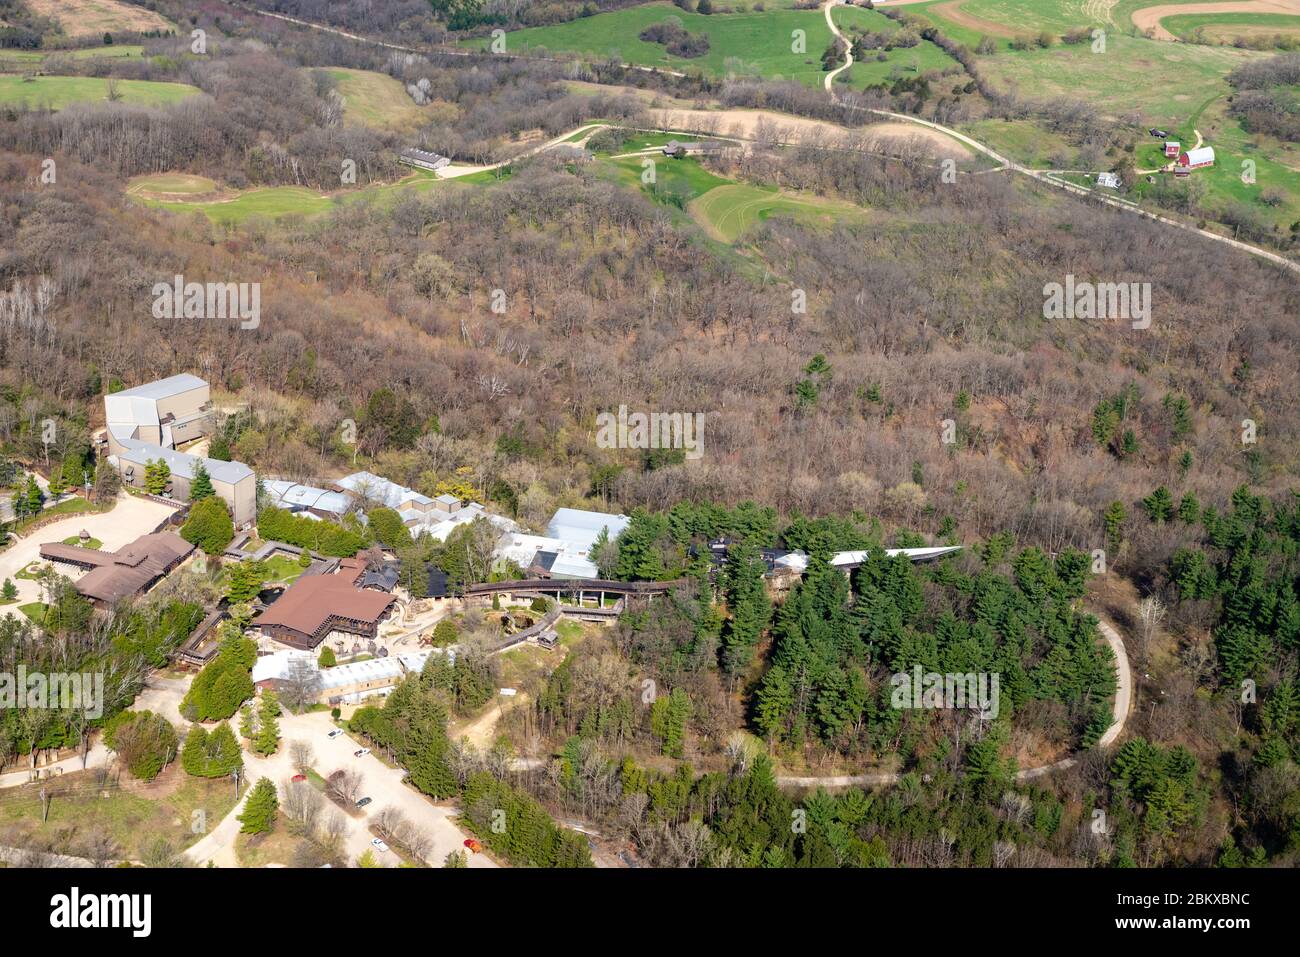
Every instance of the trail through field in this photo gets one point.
(1148, 18)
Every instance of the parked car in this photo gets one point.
(360, 752)
(336, 732)
(364, 801)
(298, 777)
(473, 845)
(376, 842)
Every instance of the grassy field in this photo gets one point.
(163, 808)
(277, 202)
(1276, 168)
(88, 53)
(56, 92)
(373, 99)
(80, 18)
(88, 543)
(1023, 140)
(1225, 26)
(744, 43)
(172, 184)
(900, 62)
(1164, 82)
(728, 212)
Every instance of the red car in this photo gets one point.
(473, 845)
(298, 777)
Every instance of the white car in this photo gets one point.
(361, 752)
(376, 842)
(336, 732)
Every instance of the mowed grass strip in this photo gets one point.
(748, 43)
(1226, 26)
(58, 92)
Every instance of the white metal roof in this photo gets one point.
(181, 464)
(293, 495)
(580, 528)
(1203, 155)
(164, 388)
(381, 489)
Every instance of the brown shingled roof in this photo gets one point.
(309, 603)
(128, 571)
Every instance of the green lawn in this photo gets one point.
(744, 43)
(56, 92)
(281, 568)
(88, 543)
(69, 506)
(35, 610)
(1275, 167)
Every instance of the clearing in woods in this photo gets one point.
(81, 18)
(728, 212)
(759, 44)
(373, 99)
(56, 92)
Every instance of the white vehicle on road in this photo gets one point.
(336, 732)
(379, 844)
(361, 753)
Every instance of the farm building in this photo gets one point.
(1195, 159)
(423, 159)
(1172, 149)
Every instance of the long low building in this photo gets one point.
(342, 684)
(125, 573)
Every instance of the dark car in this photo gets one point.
(1158, 133)
(363, 802)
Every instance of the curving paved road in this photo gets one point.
(1120, 709)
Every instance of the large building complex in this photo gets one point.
(145, 424)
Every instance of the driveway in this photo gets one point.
(381, 783)
(130, 518)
